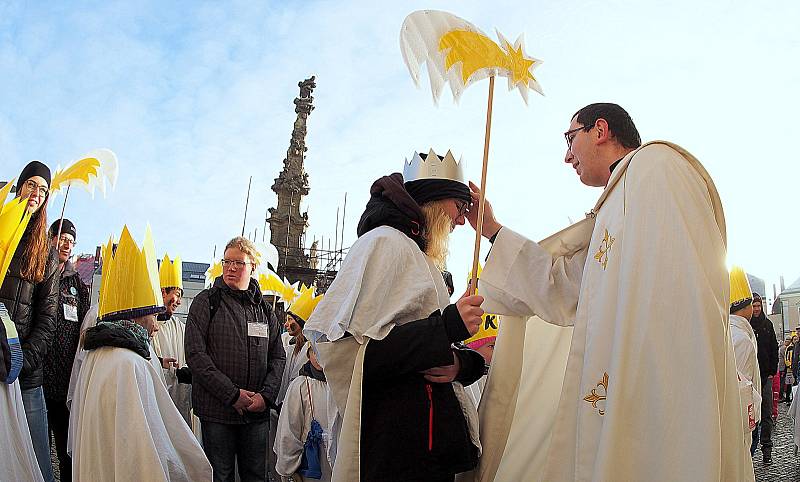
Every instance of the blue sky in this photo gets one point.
(194, 97)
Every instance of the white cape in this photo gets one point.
(294, 424)
(124, 425)
(633, 378)
(17, 459)
(168, 343)
(89, 321)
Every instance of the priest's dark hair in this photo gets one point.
(619, 122)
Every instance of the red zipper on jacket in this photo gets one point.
(430, 416)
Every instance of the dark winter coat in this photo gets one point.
(413, 429)
(767, 346)
(33, 307)
(58, 363)
(224, 359)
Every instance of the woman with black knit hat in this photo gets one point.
(30, 293)
(386, 328)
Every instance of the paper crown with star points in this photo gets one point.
(305, 303)
(129, 285)
(741, 294)
(433, 166)
(170, 273)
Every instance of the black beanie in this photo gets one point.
(66, 227)
(34, 168)
(427, 190)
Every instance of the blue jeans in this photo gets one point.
(36, 413)
(226, 445)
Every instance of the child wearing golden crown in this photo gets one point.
(744, 350)
(386, 327)
(306, 398)
(168, 340)
(123, 423)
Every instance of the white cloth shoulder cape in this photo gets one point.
(295, 422)
(632, 376)
(168, 343)
(124, 426)
(17, 459)
(89, 321)
(385, 281)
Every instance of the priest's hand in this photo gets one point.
(445, 374)
(490, 224)
(167, 363)
(245, 400)
(258, 405)
(469, 307)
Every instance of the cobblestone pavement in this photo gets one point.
(785, 464)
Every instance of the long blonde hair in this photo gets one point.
(437, 232)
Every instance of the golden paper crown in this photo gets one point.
(290, 291)
(213, 272)
(488, 328)
(431, 167)
(170, 273)
(741, 295)
(129, 285)
(305, 303)
(270, 283)
(13, 221)
(490, 324)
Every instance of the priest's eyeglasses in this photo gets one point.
(234, 264)
(570, 134)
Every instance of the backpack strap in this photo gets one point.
(214, 300)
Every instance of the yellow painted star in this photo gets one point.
(605, 247)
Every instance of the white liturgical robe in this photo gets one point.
(632, 375)
(17, 459)
(168, 343)
(124, 425)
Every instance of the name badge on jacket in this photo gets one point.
(260, 330)
(70, 312)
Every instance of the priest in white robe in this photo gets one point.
(630, 307)
(123, 423)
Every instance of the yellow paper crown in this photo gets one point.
(129, 285)
(741, 295)
(488, 328)
(213, 272)
(270, 283)
(305, 303)
(170, 273)
(13, 221)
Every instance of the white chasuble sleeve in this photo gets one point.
(670, 368)
(521, 278)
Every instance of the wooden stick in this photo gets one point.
(479, 225)
(61, 219)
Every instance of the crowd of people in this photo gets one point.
(384, 378)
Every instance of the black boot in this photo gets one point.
(767, 457)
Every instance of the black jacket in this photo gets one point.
(413, 429)
(33, 309)
(73, 295)
(767, 346)
(223, 358)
